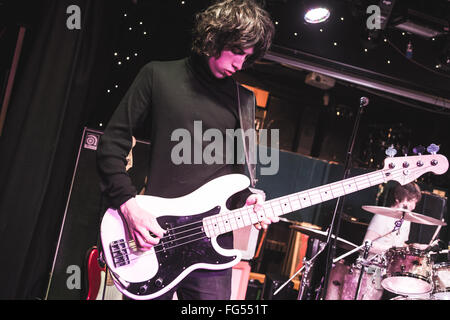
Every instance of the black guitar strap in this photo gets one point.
(246, 105)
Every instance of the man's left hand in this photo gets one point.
(257, 200)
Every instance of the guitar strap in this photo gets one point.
(242, 238)
(246, 106)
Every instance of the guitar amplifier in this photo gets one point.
(81, 223)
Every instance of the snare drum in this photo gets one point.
(441, 280)
(408, 271)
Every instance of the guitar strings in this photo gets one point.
(181, 232)
(393, 173)
(184, 231)
(183, 226)
(264, 206)
(178, 239)
(175, 240)
(224, 215)
(146, 253)
(170, 246)
(178, 233)
(220, 214)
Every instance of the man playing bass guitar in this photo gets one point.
(165, 96)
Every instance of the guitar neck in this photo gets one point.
(243, 217)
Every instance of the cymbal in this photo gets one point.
(398, 213)
(323, 235)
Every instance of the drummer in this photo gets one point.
(403, 197)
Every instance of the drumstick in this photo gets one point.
(435, 234)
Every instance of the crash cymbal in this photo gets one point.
(323, 235)
(398, 213)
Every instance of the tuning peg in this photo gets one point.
(433, 149)
(405, 150)
(391, 152)
(419, 150)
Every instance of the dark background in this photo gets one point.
(71, 79)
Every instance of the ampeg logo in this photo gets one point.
(91, 141)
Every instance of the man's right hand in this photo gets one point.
(141, 223)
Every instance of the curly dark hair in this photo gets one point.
(233, 25)
(408, 192)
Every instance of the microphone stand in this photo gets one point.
(367, 246)
(331, 243)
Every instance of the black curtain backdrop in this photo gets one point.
(56, 88)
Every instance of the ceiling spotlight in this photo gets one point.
(317, 15)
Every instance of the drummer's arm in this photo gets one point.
(377, 246)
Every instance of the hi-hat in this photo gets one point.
(323, 235)
(399, 213)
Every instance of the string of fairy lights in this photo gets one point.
(128, 50)
(129, 54)
(122, 59)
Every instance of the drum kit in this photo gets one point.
(408, 272)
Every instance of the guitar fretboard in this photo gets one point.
(245, 216)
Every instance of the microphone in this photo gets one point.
(364, 101)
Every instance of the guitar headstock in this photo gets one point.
(407, 169)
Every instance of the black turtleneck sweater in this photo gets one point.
(168, 96)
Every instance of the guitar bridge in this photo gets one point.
(119, 251)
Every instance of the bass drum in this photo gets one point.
(408, 272)
(441, 281)
(420, 297)
(343, 283)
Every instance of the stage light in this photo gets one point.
(317, 15)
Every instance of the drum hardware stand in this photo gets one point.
(318, 290)
(336, 220)
(307, 265)
(367, 245)
(398, 224)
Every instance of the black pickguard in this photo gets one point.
(174, 258)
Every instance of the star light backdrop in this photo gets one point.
(161, 30)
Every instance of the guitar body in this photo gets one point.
(184, 248)
(95, 274)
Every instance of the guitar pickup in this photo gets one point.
(120, 253)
